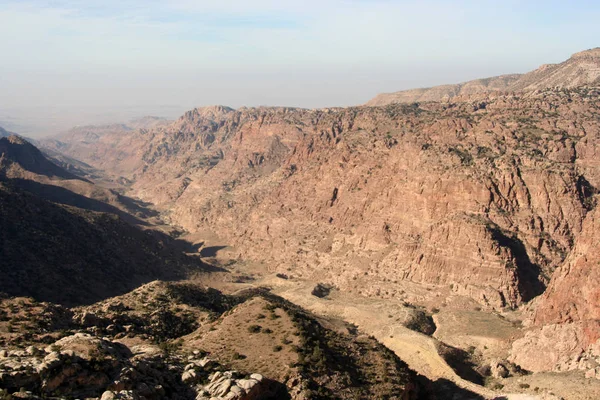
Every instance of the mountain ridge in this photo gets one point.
(582, 68)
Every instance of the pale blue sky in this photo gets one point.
(77, 61)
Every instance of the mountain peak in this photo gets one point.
(212, 113)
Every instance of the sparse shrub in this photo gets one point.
(524, 385)
(277, 348)
(254, 328)
(168, 348)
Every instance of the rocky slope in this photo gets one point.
(173, 341)
(497, 84)
(26, 167)
(19, 157)
(105, 146)
(581, 69)
(69, 255)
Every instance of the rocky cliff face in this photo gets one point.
(497, 84)
(492, 196)
(566, 321)
(487, 196)
(581, 69)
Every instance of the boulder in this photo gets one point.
(190, 376)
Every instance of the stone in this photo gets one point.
(236, 390)
(32, 351)
(257, 377)
(205, 362)
(108, 395)
(189, 366)
(246, 384)
(220, 387)
(189, 376)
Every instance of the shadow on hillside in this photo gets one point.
(189, 247)
(139, 206)
(63, 256)
(60, 195)
(211, 251)
(444, 389)
(461, 362)
(530, 281)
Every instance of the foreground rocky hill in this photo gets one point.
(178, 341)
(581, 69)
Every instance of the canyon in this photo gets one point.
(456, 225)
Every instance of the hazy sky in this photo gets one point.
(67, 62)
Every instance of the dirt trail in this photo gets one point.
(378, 318)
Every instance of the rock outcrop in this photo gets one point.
(113, 147)
(178, 341)
(566, 321)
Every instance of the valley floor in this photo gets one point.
(459, 322)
